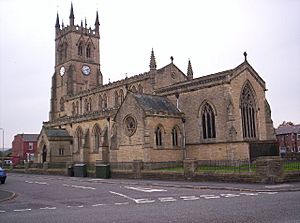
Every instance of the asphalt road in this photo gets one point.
(64, 199)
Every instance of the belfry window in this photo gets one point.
(248, 112)
(208, 122)
(62, 104)
(158, 136)
(88, 51)
(80, 49)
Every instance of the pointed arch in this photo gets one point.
(96, 138)
(80, 48)
(104, 103)
(176, 136)
(78, 138)
(208, 123)
(62, 104)
(133, 89)
(121, 94)
(248, 111)
(88, 51)
(159, 131)
(140, 89)
(116, 99)
(100, 103)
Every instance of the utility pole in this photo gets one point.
(2, 164)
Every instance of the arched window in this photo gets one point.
(65, 50)
(90, 105)
(88, 51)
(158, 136)
(77, 107)
(116, 99)
(96, 137)
(104, 103)
(78, 140)
(100, 104)
(248, 112)
(86, 106)
(140, 89)
(208, 122)
(80, 49)
(121, 94)
(62, 104)
(174, 137)
(133, 89)
(73, 108)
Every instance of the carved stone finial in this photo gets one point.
(172, 58)
(245, 55)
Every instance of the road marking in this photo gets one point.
(146, 189)
(48, 208)
(41, 183)
(267, 192)
(80, 206)
(189, 198)
(249, 194)
(210, 196)
(96, 205)
(166, 199)
(279, 186)
(83, 187)
(138, 201)
(20, 210)
(122, 203)
(230, 195)
(2, 211)
(29, 182)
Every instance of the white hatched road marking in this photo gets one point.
(146, 189)
(189, 198)
(230, 195)
(122, 203)
(166, 199)
(21, 210)
(138, 201)
(80, 187)
(96, 205)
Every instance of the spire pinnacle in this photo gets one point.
(152, 61)
(245, 55)
(57, 25)
(71, 15)
(190, 71)
(97, 24)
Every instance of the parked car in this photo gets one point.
(2, 176)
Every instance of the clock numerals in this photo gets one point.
(86, 70)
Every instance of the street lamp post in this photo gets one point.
(2, 147)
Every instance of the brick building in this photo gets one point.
(160, 115)
(23, 147)
(288, 137)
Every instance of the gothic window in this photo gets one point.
(80, 49)
(90, 105)
(208, 122)
(88, 51)
(62, 104)
(116, 99)
(65, 48)
(96, 137)
(78, 140)
(121, 93)
(133, 89)
(130, 125)
(73, 108)
(248, 112)
(158, 136)
(86, 105)
(104, 104)
(174, 137)
(77, 107)
(140, 89)
(100, 104)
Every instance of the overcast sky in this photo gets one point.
(213, 34)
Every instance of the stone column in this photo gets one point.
(137, 167)
(189, 166)
(269, 169)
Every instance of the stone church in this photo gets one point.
(161, 115)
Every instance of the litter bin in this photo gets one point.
(80, 170)
(103, 171)
(70, 171)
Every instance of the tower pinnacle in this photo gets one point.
(190, 71)
(71, 16)
(57, 25)
(97, 24)
(152, 61)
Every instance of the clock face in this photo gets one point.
(86, 70)
(62, 71)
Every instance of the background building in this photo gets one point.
(23, 148)
(288, 137)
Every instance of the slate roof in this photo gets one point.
(153, 103)
(287, 129)
(30, 137)
(54, 132)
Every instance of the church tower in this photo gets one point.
(77, 61)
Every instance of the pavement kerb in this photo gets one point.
(10, 197)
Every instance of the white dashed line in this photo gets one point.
(267, 192)
(210, 196)
(2, 211)
(230, 195)
(21, 210)
(147, 190)
(249, 194)
(166, 199)
(143, 201)
(96, 205)
(48, 208)
(123, 203)
(189, 198)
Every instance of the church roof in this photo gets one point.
(54, 132)
(154, 103)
